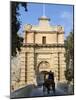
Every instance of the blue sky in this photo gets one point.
(59, 15)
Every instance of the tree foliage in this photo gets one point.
(69, 55)
(69, 46)
(69, 74)
(16, 40)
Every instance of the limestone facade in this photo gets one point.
(43, 50)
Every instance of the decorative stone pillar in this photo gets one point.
(62, 67)
(55, 68)
(58, 66)
(26, 68)
(30, 68)
(23, 67)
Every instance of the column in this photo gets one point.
(30, 68)
(62, 67)
(54, 65)
(26, 37)
(22, 66)
(26, 67)
(58, 66)
(57, 37)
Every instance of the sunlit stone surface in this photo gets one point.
(43, 50)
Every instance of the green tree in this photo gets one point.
(69, 46)
(16, 40)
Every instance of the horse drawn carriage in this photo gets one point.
(49, 83)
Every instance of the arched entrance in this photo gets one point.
(42, 69)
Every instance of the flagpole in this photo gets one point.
(43, 9)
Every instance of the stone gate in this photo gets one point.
(43, 49)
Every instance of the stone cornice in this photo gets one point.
(48, 32)
(41, 45)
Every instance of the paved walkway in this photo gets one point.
(39, 92)
(31, 91)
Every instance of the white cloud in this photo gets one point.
(66, 15)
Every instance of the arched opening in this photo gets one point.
(42, 69)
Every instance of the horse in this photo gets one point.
(49, 83)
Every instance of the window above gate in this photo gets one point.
(44, 40)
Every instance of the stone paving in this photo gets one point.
(39, 92)
(31, 91)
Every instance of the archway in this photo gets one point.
(42, 69)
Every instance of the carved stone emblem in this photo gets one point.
(28, 27)
(59, 28)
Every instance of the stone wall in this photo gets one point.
(34, 52)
